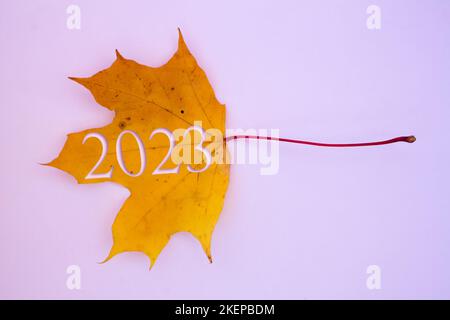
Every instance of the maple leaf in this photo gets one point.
(143, 99)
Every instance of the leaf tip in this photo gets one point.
(119, 56)
(81, 81)
(181, 43)
(49, 163)
(105, 260)
(111, 254)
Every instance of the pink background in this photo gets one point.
(310, 68)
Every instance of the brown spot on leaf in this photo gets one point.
(122, 125)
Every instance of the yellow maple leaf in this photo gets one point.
(144, 99)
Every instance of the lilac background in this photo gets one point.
(310, 68)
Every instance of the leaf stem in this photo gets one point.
(409, 139)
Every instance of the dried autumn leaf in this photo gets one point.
(144, 98)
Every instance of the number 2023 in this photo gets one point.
(142, 153)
